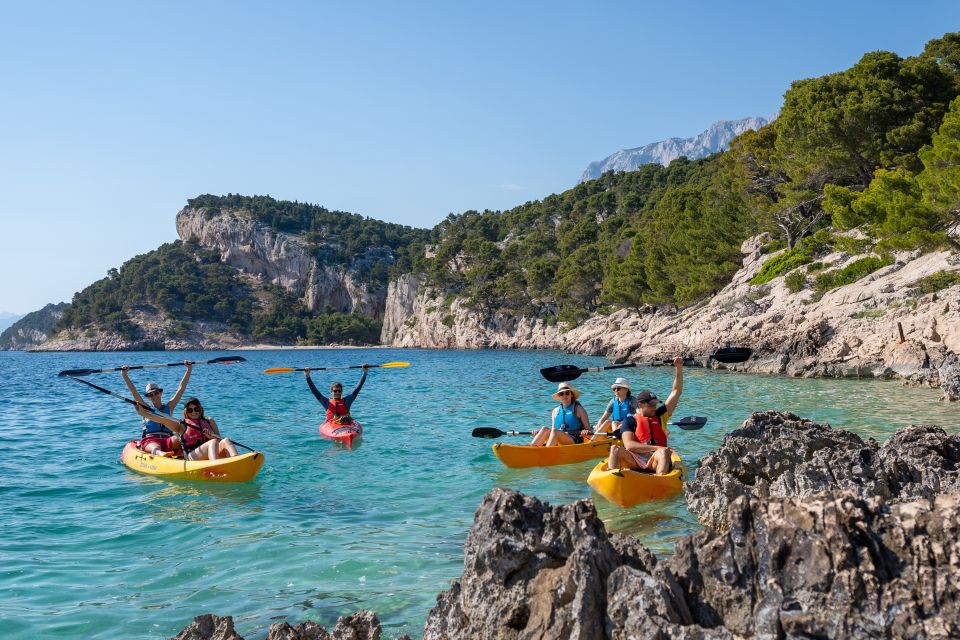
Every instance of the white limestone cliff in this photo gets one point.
(851, 331)
(279, 258)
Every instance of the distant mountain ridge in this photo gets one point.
(7, 319)
(714, 139)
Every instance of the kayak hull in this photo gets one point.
(242, 468)
(523, 455)
(344, 433)
(627, 488)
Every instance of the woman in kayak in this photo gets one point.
(200, 436)
(338, 406)
(155, 438)
(645, 434)
(622, 406)
(568, 422)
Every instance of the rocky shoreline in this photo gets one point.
(809, 532)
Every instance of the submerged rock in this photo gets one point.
(209, 627)
(780, 454)
(362, 625)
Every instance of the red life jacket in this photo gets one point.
(195, 434)
(650, 431)
(337, 411)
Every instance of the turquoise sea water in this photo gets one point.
(90, 549)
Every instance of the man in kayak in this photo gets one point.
(155, 438)
(645, 434)
(337, 406)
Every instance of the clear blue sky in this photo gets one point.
(114, 113)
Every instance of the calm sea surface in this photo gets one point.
(90, 549)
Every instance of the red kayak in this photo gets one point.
(345, 433)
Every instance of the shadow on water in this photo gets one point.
(196, 502)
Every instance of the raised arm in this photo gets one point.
(674, 396)
(125, 373)
(182, 387)
(322, 399)
(350, 397)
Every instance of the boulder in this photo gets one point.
(778, 454)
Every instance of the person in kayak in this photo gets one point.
(155, 438)
(338, 406)
(645, 434)
(199, 436)
(622, 406)
(568, 422)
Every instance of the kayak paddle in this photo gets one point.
(567, 372)
(690, 423)
(135, 403)
(385, 365)
(86, 372)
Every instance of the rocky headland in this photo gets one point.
(816, 533)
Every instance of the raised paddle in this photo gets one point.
(135, 403)
(86, 372)
(567, 372)
(690, 423)
(385, 365)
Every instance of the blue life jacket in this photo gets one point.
(567, 420)
(621, 409)
(154, 428)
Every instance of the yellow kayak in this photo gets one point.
(524, 455)
(240, 468)
(627, 488)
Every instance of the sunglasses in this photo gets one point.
(155, 393)
(192, 409)
(565, 393)
(336, 390)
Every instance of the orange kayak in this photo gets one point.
(240, 468)
(525, 455)
(626, 487)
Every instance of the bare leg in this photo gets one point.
(613, 461)
(662, 461)
(541, 436)
(227, 448)
(206, 451)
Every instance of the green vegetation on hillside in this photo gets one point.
(181, 279)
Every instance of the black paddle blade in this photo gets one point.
(690, 423)
(487, 432)
(78, 372)
(561, 373)
(227, 359)
(731, 355)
